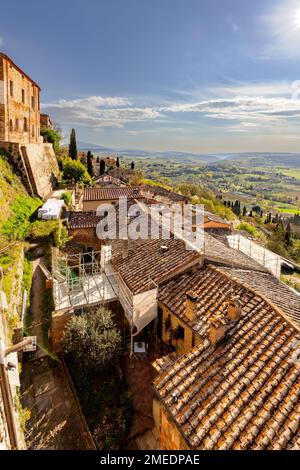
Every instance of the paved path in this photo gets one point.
(55, 423)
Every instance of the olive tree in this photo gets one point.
(92, 338)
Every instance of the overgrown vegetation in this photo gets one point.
(52, 136)
(248, 228)
(17, 225)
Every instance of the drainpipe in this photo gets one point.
(6, 391)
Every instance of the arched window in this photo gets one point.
(10, 125)
(25, 125)
(17, 125)
(32, 130)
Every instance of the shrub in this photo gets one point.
(67, 198)
(92, 338)
(42, 228)
(248, 228)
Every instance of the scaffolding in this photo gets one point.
(86, 279)
(79, 280)
(258, 253)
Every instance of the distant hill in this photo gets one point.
(250, 158)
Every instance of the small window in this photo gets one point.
(23, 96)
(11, 88)
(17, 125)
(32, 102)
(25, 125)
(32, 130)
(178, 333)
(10, 125)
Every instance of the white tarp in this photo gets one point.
(51, 210)
(261, 255)
(144, 308)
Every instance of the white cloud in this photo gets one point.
(98, 111)
(245, 106)
(248, 103)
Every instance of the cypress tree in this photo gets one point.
(244, 211)
(288, 235)
(132, 165)
(90, 166)
(102, 167)
(117, 162)
(73, 146)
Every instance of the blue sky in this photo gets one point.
(186, 75)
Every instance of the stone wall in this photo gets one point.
(59, 321)
(169, 436)
(37, 165)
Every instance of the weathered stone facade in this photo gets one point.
(19, 105)
(20, 129)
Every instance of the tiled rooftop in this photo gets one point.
(218, 251)
(244, 393)
(269, 286)
(106, 194)
(159, 191)
(213, 285)
(83, 220)
(151, 260)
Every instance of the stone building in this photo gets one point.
(20, 129)
(19, 105)
(45, 121)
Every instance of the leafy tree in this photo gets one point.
(92, 339)
(73, 145)
(53, 137)
(118, 162)
(102, 167)
(90, 166)
(132, 165)
(61, 235)
(75, 172)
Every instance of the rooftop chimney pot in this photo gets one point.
(234, 308)
(191, 305)
(217, 329)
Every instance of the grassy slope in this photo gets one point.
(10, 188)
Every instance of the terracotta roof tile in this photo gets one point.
(106, 194)
(244, 393)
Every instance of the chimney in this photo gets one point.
(124, 249)
(217, 329)
(191, 305)
(234, 308)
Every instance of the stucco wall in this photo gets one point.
(190, 338)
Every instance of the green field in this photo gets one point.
(293, 172)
